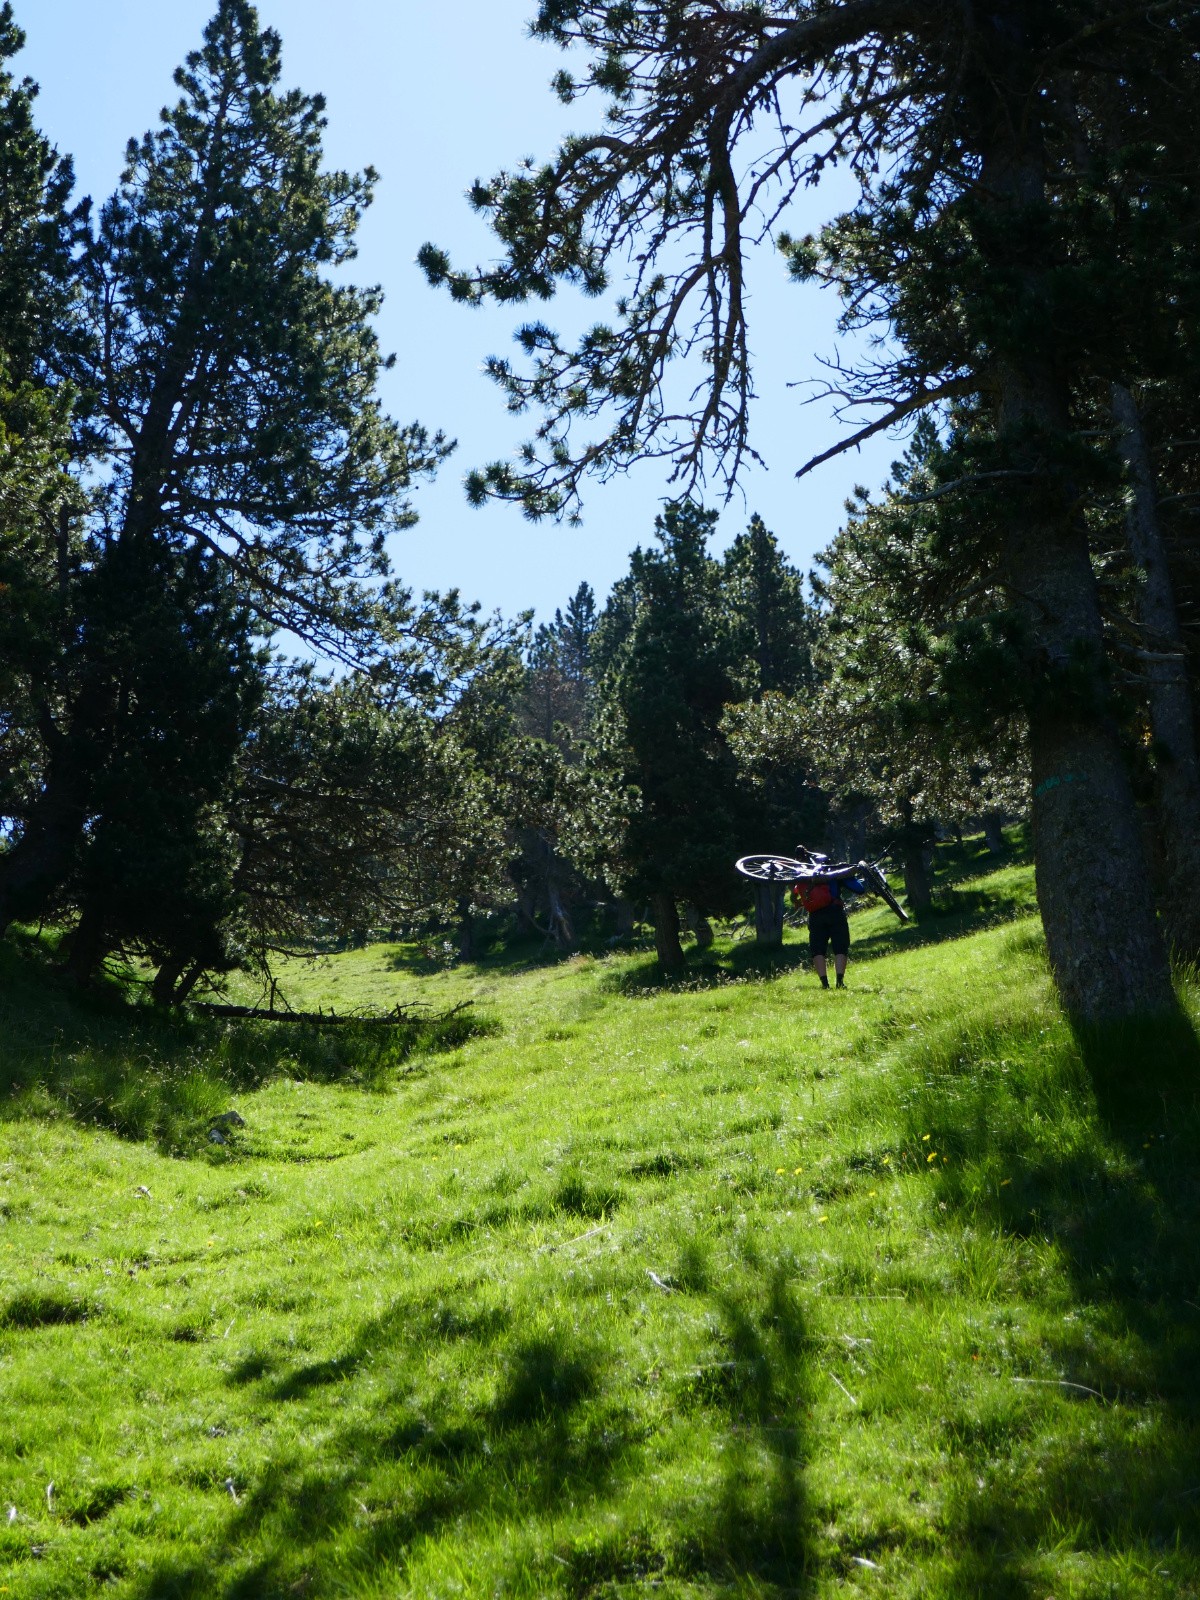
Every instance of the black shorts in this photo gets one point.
(828, 927)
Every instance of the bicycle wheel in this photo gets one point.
(880, 884)
(773, 869)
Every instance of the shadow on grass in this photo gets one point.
(744, 963)
(954, 862)
(499, 957)
(507, 953)
(1090, 1146)
(760, 1526)
(535, 1482)
(143, 1074)
(954, 914)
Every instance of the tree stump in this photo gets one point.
(768, 914)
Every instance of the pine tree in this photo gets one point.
(660, 730)
(773, 630)
(39, 504)
(773, 624)
(352, 808)
(575, 631)
(233, 411)
(156, 871)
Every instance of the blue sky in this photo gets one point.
(434, 96)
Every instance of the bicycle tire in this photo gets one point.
(773, 869)
(880, 884)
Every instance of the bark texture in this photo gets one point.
(1105, 948)
(165, 979)
(916, 858)
(768, 914)
(666, 932)
(1103, 940)
(467, 948)
(1163, 664)
(917, 891)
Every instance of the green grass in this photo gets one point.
(731, 1287)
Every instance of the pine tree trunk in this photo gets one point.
(856, 833)
(162, 990)
(768, 914)
(188, 982)
(1105, 948)
(699, 924)
(623, 912)
(1165, 668)
(993, 832)
(86, 949)
(666, 932)
(1106, 952)
(466, 932)
(917, 891)
(560, 922)
(526, 921)
(915, 860)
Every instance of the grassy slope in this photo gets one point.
(739, 1288)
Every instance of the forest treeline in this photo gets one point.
(227, 727)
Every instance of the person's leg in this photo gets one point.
(840, 940)
(818, 943)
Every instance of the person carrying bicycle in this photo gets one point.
(828, 926)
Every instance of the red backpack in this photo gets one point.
(814, 895)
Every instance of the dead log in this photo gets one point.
(399, 1016)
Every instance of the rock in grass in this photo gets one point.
(215, 1136)
(229, 1119)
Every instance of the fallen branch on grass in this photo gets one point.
(563, 1244)
(843, 1388)
(397, 1017)
(1062, 1383)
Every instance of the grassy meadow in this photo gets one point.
(600, 1288)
